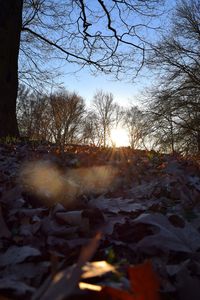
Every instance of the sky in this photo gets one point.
(124, 92)
(86, 85)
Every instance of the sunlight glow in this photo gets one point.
(119, 137)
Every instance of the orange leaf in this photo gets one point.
(144, 284)
(144, 281)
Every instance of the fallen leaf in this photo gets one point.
(186, 239)
(144, 281)
(16, 255)
(71, 217)
(144, 285)
(116, 205)
(19, 288)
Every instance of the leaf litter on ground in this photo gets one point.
(145, 204)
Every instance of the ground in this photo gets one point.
(136, 213)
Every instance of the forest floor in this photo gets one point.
(135, 215)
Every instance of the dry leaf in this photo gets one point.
(144, 281)
(186, 239)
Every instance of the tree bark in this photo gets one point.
(10, 28)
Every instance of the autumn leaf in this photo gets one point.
(144, 281)
(144, 285)
(185, 239)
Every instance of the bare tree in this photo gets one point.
(177, 55)
(105, 108)
(25, 103)
(91, 133)
(101, 35)
(67, 111)
(57, 118)
(176, 103)
(162, 120)
(134, 122)
(33, 115)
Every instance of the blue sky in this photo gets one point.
(83, 82)
(86, 85)
(124, 92)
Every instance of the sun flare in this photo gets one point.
(119, 137)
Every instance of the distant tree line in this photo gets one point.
(63, 118)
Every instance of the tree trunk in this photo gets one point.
(10, 28)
